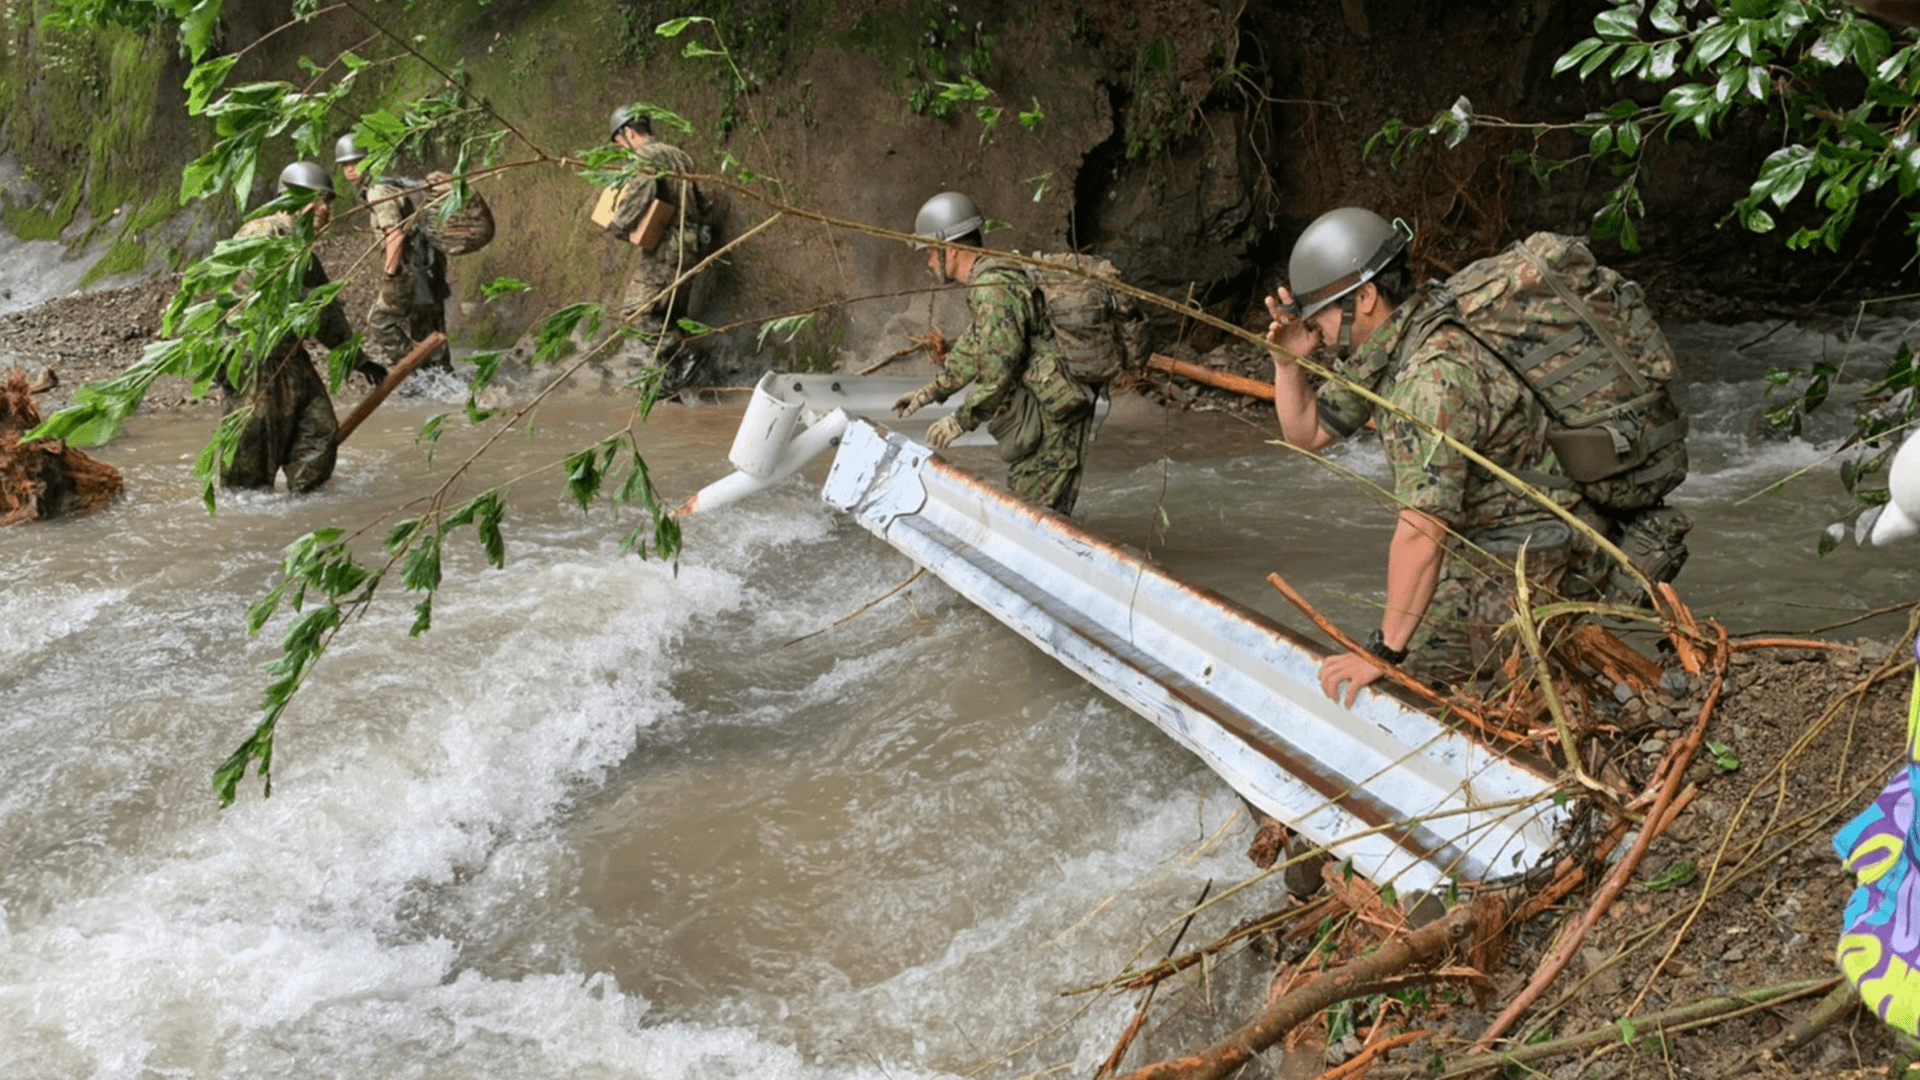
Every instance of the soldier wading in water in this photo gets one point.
(1037, 411)
(411, 291)
(292, 426)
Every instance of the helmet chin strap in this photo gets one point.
(1348, 305)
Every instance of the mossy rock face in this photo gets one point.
(94, 119)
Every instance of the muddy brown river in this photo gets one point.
(735, 815)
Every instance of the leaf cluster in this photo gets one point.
(248, 296)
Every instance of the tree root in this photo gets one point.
(1387, 965)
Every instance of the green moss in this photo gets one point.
(39, 222)
(124, 257)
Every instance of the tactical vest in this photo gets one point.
(1580, 337)
(1096, 325)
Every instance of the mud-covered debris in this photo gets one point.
(43, 479)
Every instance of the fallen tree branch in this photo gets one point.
(1357, 978)
(433, 343)
(1238, 384)
(1673, 771)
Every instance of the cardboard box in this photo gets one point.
(652, 225)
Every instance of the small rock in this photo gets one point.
(1622, 693)
(1653, 747)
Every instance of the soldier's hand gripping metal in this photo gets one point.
(914, 402)
(942, 432)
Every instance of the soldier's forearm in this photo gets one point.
(396, 240)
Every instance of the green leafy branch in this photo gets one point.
(236, 304)
(1721, 58)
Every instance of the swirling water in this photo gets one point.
(754, 812)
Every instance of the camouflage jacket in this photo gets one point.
(1448, 381)
(639, 192)
(1009, 341)
(393, 203)
(332, 330)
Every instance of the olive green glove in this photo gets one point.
(942, 432)
(914, 402)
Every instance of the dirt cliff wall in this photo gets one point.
(1190, 142)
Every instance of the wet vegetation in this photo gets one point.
(1189, 147)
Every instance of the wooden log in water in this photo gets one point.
(394, 378)
(1239, 384)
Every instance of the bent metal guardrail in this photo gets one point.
(1408, 799)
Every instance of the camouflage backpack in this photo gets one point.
(1581, 337)
(459, 232)
(1096, 326)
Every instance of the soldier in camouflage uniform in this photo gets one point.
(648, 305)
(1021, 389)
(292, 426)
(1450, 581)
(411, 291)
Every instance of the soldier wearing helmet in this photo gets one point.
(1351, 304)
(410, 294)
(291, 427)
(1010, 358)
(666, 216)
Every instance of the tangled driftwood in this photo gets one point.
(1369, 943)
(47, 478)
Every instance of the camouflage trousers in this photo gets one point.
(1050, 475)
(395, 324)
(1460, 638)
(650, 314)
(292, 427)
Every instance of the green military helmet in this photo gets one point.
(346, 150)
(1342, 250)
(305, 174)
(947, 216)
(626, 116)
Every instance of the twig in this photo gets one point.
(932, 343)
(1394, 673)
(1543, 677)
(862, 610)
(1355, 978)
(1685, 631)
(1356, 1066)
(1120, 1048)
(1666, 1022)
(1786, 643)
